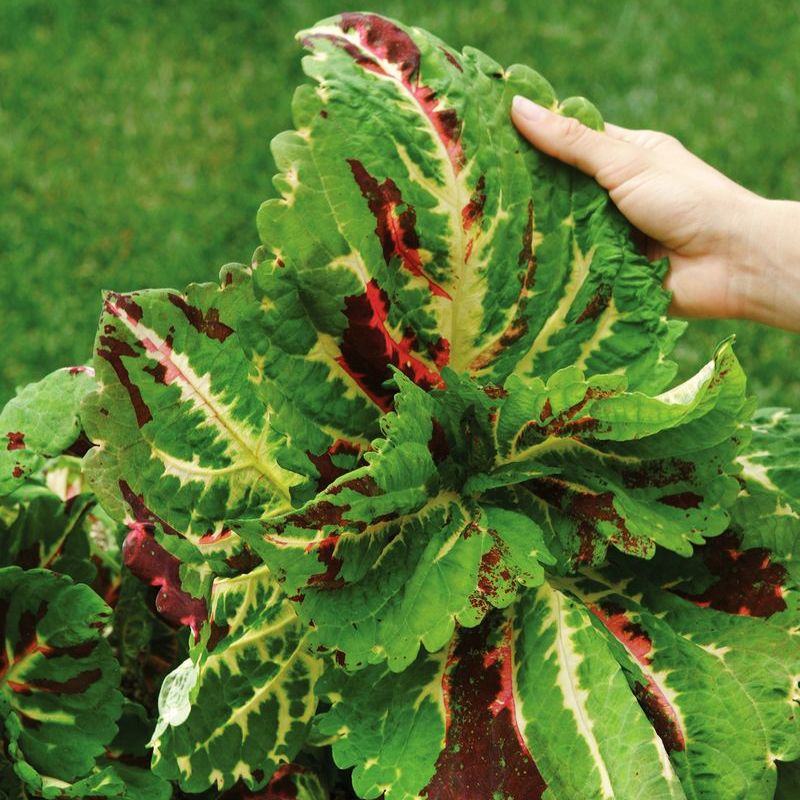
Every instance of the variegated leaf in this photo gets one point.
(772, 461)
(596, 466)
(391, 555)
(529, 704)
(183, 439)
(240, 706)
(718, 680)
(58, 677)
(472, 490)
(416, 229)
(48, 532)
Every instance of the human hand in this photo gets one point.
(713, 230)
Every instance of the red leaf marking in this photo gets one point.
(28, 645)
(748, 583)
(328, 579)
(651, 697)
(473, 210)
(18, 471)
(212, 537)
(124, 303)
(396, 232)
(151, 563)
(368, 348)
(566, 423)
(452, 59)
(16, 440)
(80, 447)
(327, 469)
(682, 500)
(439, 351)
(217, 634)
(485, 754)
(208, 324)
(282, 785)
(154, 565)
(588, 509)
(659, 473)
(382, 42)
(113, 350)
(77, 684)
(438, 445)
(488, 572)
(141, 513)
(80, 370)
(27, 642)
(596, 305)
(166, 371)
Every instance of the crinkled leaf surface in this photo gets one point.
(416, 230)
(568, 688)
(532, 699)
(58, 677)
(773, 458)
(184, 440)
(41, 421)
(471, 493)
(435, 408)
(241, 705)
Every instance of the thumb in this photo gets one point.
(610, 161)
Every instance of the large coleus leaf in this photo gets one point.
(241, 705)
(533, 703)
(183, 439)
(472, 492)
(417, 230)
(40, 422)
(58, 683)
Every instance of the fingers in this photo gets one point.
(604, 156)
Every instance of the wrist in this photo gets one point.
(764, 259)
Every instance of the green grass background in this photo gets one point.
(134, 136)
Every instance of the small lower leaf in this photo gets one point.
(240, 707)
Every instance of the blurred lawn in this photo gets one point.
(133, 136)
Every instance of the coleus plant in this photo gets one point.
(410, 502)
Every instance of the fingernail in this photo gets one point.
(527, 109)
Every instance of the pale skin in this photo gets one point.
(732, 253)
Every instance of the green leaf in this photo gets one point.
(58, 676)
(40, 422)
(390, 556)
(416, 229)
(471, 491)
(240, 707)
(595, 465)
(532, 699)
(49, 533)
(773, 458)
(128, 757)
(690, 659)
(183, 439)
